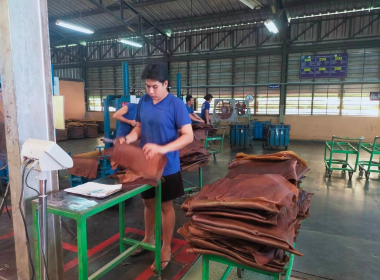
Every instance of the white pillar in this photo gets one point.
(27, 95)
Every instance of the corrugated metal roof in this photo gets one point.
(172, 14)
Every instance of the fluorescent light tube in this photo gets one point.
(74, 27)
(127, 42)
(271, 26)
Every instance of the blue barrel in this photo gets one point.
(257, 128)
(240, 135)
(276, 135)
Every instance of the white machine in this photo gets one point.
(231, 109)
(44, 156)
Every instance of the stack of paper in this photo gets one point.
(95, 189)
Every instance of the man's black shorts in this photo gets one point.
(171, 189)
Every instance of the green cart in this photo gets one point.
(365, 166)
(241, 268)
(215, 138)
(342, 148)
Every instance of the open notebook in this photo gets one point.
(95, 189)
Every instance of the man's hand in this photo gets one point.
(201, 121)
(133, 123)
(122, 140)
(150, 150)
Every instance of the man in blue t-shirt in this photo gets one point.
(159, 117)
(205, 113)
(126, 117)
(189, 106)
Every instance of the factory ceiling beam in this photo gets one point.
(303, 3)
(143, 18)
(366, 26)
(154, 44)
(66, 53)
(106, 10)
(332, 30)
(303, 32)
(112, 9)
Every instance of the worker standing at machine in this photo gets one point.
(127, 119)
(205, 113)
(159, 117)
(189, 106)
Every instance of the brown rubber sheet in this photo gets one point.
(133, 158)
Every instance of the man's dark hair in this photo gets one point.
(155, 71)
(188, 98)
(208, 97)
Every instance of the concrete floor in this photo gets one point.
(339, 240)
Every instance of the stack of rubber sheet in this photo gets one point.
(200, 130)
(75, 130)
(193, 156)
(91, 130)
(253, 215)
(61, 134)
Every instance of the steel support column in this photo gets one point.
(26, 79)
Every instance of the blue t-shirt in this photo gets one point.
(160, 123)
(189, 109)
(205, 106)
(123, 128)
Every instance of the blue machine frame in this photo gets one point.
(115, 101)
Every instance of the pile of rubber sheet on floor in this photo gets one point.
(201, 131)
(61, 134)
(252, 216)
(75, 130)
(193, 156)
(91, 130)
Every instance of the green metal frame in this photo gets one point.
(218, 138)
(194, 187)
(81, 219)
(345, 148)
(365, 166)
(230, 264)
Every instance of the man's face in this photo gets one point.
(155, 89)
(191, 102)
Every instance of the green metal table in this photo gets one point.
(194, 187)
(241, 268)
(343, 148)
(365, 166)
(79, 208)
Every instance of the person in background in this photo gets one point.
(205, 113)
(189, 106)
(159, 117)
(126, 117)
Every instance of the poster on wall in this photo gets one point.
(324, 66)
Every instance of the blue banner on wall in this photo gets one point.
(274, 86)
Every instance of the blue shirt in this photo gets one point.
(205, 106)
(160, 123)
(123, 128)
(189, 109)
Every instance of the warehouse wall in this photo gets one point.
(99, 116)
(324, 127)
(75, 106)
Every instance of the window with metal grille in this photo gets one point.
(356, 101)
(315, 97)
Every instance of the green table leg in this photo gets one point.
(205, 268)
(122, 226)
(290, 267)
(36, 235)
(82, 248)
(227, 272)
(200, 178)
(157, 249)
